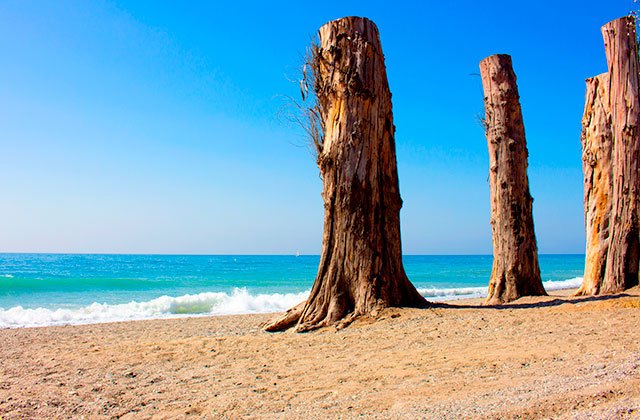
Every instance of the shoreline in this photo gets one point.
(178, 307)
(555, 356)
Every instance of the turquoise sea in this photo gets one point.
(58, 289)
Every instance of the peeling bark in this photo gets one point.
(597, 142)
(515, 271)
(361, 268)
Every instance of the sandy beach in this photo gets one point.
(551, 357)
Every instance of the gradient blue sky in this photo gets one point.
(153, 127)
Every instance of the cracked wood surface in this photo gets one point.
(360, 270)
(515, 271)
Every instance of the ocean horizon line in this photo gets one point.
(257, 254)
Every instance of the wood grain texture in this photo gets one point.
(621, 48)
(597, 143)
(515, 271)
(361, 268)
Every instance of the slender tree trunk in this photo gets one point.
(622, 58)
(515, 271)
(361, 267)
(597, 142)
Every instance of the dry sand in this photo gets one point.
(552, 357)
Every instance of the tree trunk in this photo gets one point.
(622, 58)
(597, 142)
(361, 267)
(515, 271)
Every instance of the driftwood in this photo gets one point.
(361, 268)
(597, 142)
(621, 47)
(515, 271)
(611, 164)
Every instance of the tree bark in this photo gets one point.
(597, 142)
(515, 271)
(622, 59)
(361, 268)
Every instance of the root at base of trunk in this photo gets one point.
(587, 290)
(294, 317)
(286, 321)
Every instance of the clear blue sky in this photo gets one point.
(153, 127)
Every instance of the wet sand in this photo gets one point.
(548, 357)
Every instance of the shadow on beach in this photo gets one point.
(542, 304)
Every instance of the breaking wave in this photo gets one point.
(438, 294)
(563, 284)
(240, 301)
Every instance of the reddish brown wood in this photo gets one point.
(361, 268)
(621, 48)
(515, 271)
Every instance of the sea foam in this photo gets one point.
(437, 294)
(563, 284)
(240, 301)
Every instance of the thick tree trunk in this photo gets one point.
(361, 267)
(622, 58)
(515, 271)
(597, 142)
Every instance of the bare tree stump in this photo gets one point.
(515, 271)
(361, 268)
(597, 142)
(621, 47)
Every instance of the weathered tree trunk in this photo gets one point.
(361, 267)
(597, 142)
(622, 58)
(515, 271)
